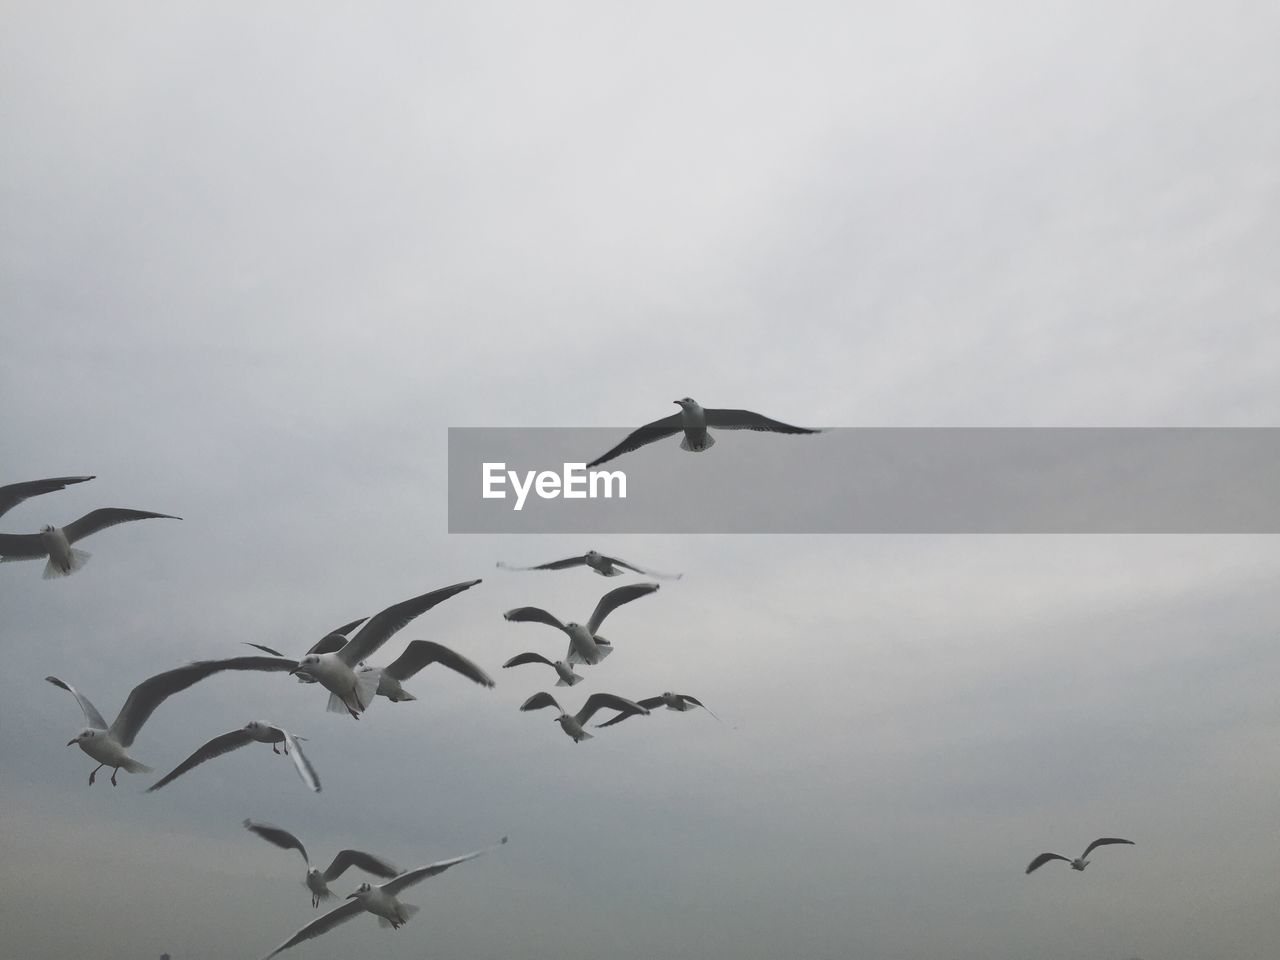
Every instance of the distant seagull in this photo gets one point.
(15, 493)
(318, 880)
(1080, 862)
(331, 641)
(380, 901)
(55, 542)
(575, 725)
(421, 653)
(672, 701)
(605, 566)
(251, 732)
(110, 745)
(694, 420)
(567, 677)
(351, 685)
(584, 645)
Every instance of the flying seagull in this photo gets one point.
(55, 542)
(575, 725)
(1080, 862)
(109, 745)
(421, 653)
(318, 880)
(585, 646)
(605, 566)
(15, 493)
(381, 901)
(567, 677)
(672, 701)
(350, 683)
(252, 732)
(694, 420)
(331, 641)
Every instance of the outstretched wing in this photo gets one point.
(300, 762)
(96, 520)
(279, 836)
(642, 571)
(361, 861)
(321, 925)
(520, 659)
(153, 691)
(532, 615)
(419, 653)
(750, 420)
(329, 643)
(263, 648)
(410, 877)
(564, 564)
(21, 546)
(14, 493)
(649, 703)
(1044, 858)
(611, 701)
(666, 427)
(616, 598)
(1102, 842)
(214, 748)
(91, 714)
(540, 700)
(382, 625)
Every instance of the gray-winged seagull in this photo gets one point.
(574, 724)
(55, 542)
(605, 566)
(318, 880)
(585, 645)
(1080, 862)
(252, 732)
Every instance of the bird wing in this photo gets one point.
(300, 762)
(616, 598)
(410, 877)
(696, 702)
(750, 420)
(382, 625)
(642, 571)
(321, 925)
(361, 861)
(14, 493)
(520, 659)
(648, 703)
(91, 714)
(1044, 858)
(419, 653)
(532, 615)
(279, 836)
(346, 628)
(329, 643)
(564, 564)
(666, 427)
(96, 520)
(611, 701)
(263, 648)
(1102, 842)
(214, 748)
(21, 546)
(150, 693)
(540, 700)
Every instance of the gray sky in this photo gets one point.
(254, 263)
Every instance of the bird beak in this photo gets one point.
(294, 671)
(71, 743)
(350, 895)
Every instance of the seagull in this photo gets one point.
(1080, 862)
(567, 677)
(350, 683)
(380, 901)
(15, 493)
(584, 645)
(694, 420)
(418, 654)
(55, 542)
(574, 725)
(110, 745)
(330, 642)
(672, 701)
(252, 732)
(605, 566)
(318, 880)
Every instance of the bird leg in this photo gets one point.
(114, 771)
(95, 771)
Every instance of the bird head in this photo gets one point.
(686, 402)
(88, 733)
(572, 626)
(362, 889)
(47, 528)
(306, 664)
(593, 554)
(253, 726)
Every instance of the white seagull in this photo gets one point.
(605, 566)
(381, 901)
(55, 542)
(110, 745)
(252, 732)
(351, 684)
(693, 421)
(421, 653)
(672, 701)
(575, 725)
(563, 670)
(585, 645)
(1080, 862)
(318, 880)
(14, 493)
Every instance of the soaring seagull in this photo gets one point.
(574, 725)
(381, 901)
(1080, 862)
(352, 685)
(563, 670)
(55, 542)
(14, 493)
(419, 654)
(109, 745)
(672, 701)
(252, 732)
(694, 420)
(585, 645)
(605, 566)
(318, 880)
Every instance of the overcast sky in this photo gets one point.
(254, 262)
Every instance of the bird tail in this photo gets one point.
(367, 680)
(133, 766)
(78, 559)
(575, 678)
(406, 911)
(707, 442)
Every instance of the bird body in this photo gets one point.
(586, 645)
(55, 542)
(597, 561)
(1080, 862)
(563, 670)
